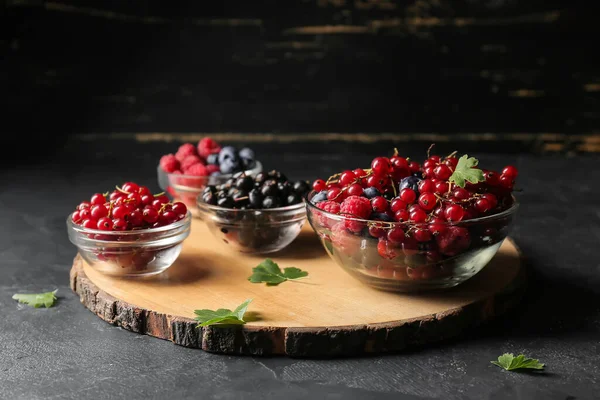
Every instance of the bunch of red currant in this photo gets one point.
(128, 207)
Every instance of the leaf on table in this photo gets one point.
(222, 316)
(465, 171)
(37, 300)
(509, 362)
(269, 272)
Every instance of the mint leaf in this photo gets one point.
(222, 316)
(464, 171)
(37, 300)
(270, 273)
(509, 362)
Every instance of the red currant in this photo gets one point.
(97, 199)
(442, 172)
(104, 224)
(347, 178)
(402, 215)
(99, 211)
(179, 208)
(461, 194)
(491, 178)
(84, 214)
(379, 204)
(162, 198)
(491, 199)
(119, 224)
(354, 190)
(143, 190)
(376, 231)
(381, 166)
(395, 235)
(426, 186)
(115, 195)
(150, 215)
(130, 187)
(414, 166)
(435, 159)
(418, 216)
(422, 235)
(84, 205)
(427, 201)
(75, 217)
(359, 173)
(429, 172)
(437, 225)
(451, 162)
(429, 163)
(168, 217)
(90, 224)
(134, 199)
(397, 204)
(319, 185)
(408, 195)
(120, 212)
(146, 199)
(441, 187)
(454, 213)
(334, 194)
(482, 205)
(377, 181)
(506, 182)
(135, 218)
(510, 171)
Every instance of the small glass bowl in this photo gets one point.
(130, 253)
(254, 231)
(445, 261)
(186, 188)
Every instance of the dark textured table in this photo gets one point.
(66, 352)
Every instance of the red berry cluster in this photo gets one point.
(413, 205)
(191, 159)
(128, 207)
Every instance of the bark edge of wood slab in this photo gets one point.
(299, 342)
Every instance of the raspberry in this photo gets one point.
(329, 206)
(197, 170)
(356, 206)
(343, 240)
(186, 149)
(169, 163)
(207, 146)
(386, 249)
(190, 160)
(212, 168)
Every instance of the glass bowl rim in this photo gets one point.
(509, 211)
(166, 228)
(224, 176)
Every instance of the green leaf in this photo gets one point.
(222, 316)
(37, 300)
(465, 171)
(509, 362)
(270, 273)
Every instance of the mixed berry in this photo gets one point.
(265, 190)
(417, 214)
(128, 207)
(207, 158)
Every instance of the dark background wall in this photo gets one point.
(520, 72)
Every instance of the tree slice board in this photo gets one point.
(329, 314)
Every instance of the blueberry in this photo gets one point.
(269, 188)
(221, 193)
(277, 175)
(301, 188)
(285, 188)
(209, 198)
(260, 178)
(212, 159)
(245, 183)
(371, 192)
(227, 153)
(229, 166)
(321, 196)
(410, 182)
(226, 202)
(255, 198)
(292, 199)
(247, 156)
(209, 189)
(270, 202)
(381, 217)
(240, 199)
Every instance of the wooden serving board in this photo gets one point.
(328, 314)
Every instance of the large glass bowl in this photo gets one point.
(448, 259)
(186, 188)
(254, 231)
(130, 253)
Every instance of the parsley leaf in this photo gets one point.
(37, 300)
(269, 272)
(222, 315)
(464, 171)
(509, 362)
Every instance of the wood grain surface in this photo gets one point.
(329, 314)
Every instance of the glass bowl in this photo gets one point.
(253, 231)
(130, 253)
(186, 188)
(450, 258)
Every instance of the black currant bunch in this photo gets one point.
(266, 190)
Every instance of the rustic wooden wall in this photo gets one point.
(477, 68)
